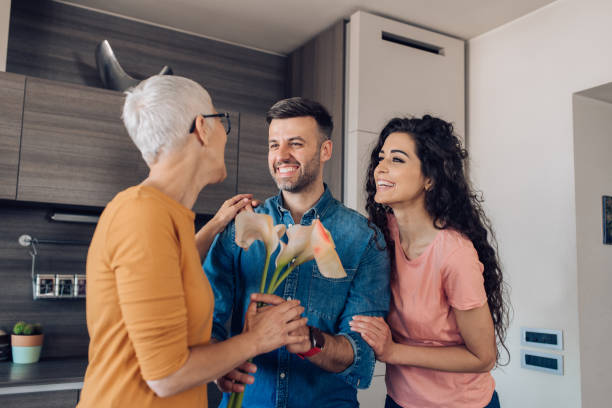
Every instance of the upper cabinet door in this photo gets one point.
(74, 147)
(11, 110)
(395, 70)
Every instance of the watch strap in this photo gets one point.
(317, 342)
(309, 353)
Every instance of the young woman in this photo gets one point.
(448, 307)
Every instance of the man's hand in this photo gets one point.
(301, 347)
(235, 380)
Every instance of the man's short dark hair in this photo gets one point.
(298, 107)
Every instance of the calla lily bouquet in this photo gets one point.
(304, 243)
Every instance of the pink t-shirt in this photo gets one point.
(447, 274)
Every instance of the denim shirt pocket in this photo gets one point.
(326, 296)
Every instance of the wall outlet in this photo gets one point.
(51, 286)
(80, 286)
(64, 285)
(45, 286)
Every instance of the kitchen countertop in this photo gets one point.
(52, 371)
(57, 374)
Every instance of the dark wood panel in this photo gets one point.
(213, 196)
(11, 111)
(75, 149)
(51, 399)
(316, 71)
(253, 174)
(63, 320)
(57, 41)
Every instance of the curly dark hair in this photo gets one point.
(450, 201)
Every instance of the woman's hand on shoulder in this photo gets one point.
(205, 236)
(376, 332)
(231, 207)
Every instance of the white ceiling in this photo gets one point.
(280, 26)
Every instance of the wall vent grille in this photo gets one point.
(408, 42)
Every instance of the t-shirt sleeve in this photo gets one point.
(144, 256)
(462, 279)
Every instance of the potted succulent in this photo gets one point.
(26, 341)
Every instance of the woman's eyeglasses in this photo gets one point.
(226, 123)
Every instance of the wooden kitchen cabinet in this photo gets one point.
(253, 174)
(75, 150)
(11, 110)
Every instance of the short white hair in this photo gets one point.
(159, 112)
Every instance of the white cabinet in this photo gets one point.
(394, 69)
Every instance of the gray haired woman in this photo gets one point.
(149, 305)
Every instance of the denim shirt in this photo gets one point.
(283, 379)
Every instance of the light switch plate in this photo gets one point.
(542, 338)
(545, 362)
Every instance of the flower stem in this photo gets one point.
(274, 278)
(274, 285)
(264, 273)
(232, 400)
(239, 400)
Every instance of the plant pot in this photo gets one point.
(26, 349)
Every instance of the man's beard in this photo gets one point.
(309, 172)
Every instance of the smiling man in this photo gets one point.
(328, 369)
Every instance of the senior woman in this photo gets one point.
(149, 306)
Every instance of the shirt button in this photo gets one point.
(282, 375)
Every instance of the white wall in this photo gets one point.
(593, 162)
(5, 14)
(521, 78)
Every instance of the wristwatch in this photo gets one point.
(317, 342)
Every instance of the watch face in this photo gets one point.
(316, 338)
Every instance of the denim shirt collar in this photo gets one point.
(317, 211)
